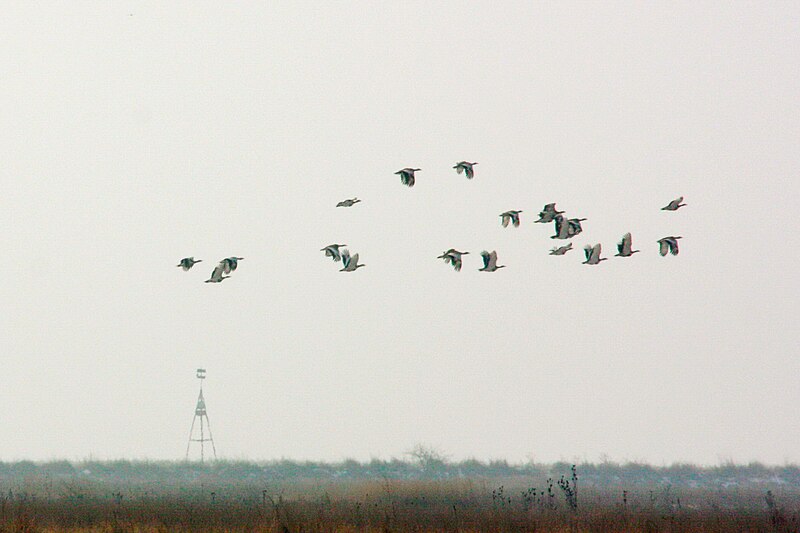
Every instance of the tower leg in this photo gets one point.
(191, 429)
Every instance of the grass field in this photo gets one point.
(350, 496)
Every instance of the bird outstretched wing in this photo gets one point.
(486, 257)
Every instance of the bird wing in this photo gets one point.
(625, 244)
(596, 252)
(216, 274)
(470, 172)
(345, 257)
(587, 251)
(515, 218)
(485, 257)
(506, 219)
(493, 259)
(459, 168)
(663, 247)
(673, 246)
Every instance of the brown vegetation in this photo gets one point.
(80, 502)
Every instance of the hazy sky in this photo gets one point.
(137, 133)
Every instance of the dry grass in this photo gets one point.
(122, 500)
(392, 505)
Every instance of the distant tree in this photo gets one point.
(430, 460)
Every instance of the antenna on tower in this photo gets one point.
(200, 412)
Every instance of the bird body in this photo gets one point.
(593, 254)
(668, 244)
(465, 167)
(624, 247)
(348, 203)
(407, 176)
(350, 263)
(490, 261)
(674, 205)
(510, 216)
(453, 257)
(561, 250)
(188, 262)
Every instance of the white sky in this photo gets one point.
(137, 133)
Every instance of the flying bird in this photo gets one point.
(332, 251)
(510, 216)
(490, 261)
(465, 167)
(188, 262)
(668, 244)
(229, 264)
(407, 176)
(548, 213)
(574, 226)
(348, 203)
(624, 247)
(453, 257)
(350, 263)
(561, 250)
(674, 204)
(592, 254)
(216, 274)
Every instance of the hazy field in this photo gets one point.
(427, 494)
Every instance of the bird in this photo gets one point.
(350, 263)
(668, 244)
(490, 261)
(453, 257)
(229, 264)
(674, 204)
(332, 251)
(548, 213)
(348, 203)
(562, 228)
(407, 176)
(510, 216)
(592, 254)
(624, 247)
(465, 167)
(216, 274)
(188, 262)
(561, 250)
(574, 226)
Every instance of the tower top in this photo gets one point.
(201, 373)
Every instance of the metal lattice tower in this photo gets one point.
(200, 412)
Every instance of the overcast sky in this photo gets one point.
(137, 133)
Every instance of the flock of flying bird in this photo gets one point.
(226, 266)
(565, 228)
